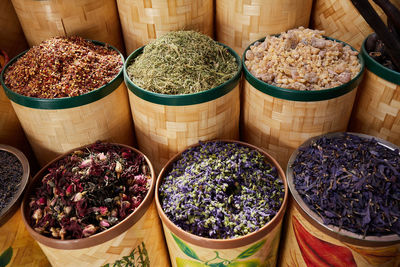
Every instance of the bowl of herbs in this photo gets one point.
(222, 202)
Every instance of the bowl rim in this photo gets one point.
(377, 68)
(13, 205)
(303, 96)
(98, 238)
(64, 102)
(223, 243)
(183, 99)
(316, 221)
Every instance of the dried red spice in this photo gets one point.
(63, 67)
(88, 191)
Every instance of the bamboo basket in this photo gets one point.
(167, 124)
(239, 22)
(141, 229)
(377, 109)
(143, 21)
(90, 19)
(308, 239)
(53, 126)
(12, 38)
(340, 19)
(259, 248)
(279, 119)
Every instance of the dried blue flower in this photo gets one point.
(351, 182)
(221, 190)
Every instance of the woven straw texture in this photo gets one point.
(280, 126)
(162, 131)
(291, 255)
(341, 20)
(26, 252)
(12, 38)
(377, 109)
(144, 20)
(147, 230)
(91, 19)
(52, 132)
(266, 255)
(241, 22)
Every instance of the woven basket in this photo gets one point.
(377, 109)
(12, 38)
(308, 238)
(91, 19)
(279, 119)
(143, 21)
(140, 229)
(340, 19)
(53, 126)
(239, 22)
(167, 124)
(259, 248)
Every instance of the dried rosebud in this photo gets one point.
(103, 210)
(104, 223)
(114, 213)
(89, 230)
(70, 189)
(37, 215)
(86, 163)
(118, 167)
(78, 197)
(101, 156)
(55, 232)
(41, 201)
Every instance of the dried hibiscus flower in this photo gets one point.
(88, 191)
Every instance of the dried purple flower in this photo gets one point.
(351, 182)
(221, 190)
(78, 192)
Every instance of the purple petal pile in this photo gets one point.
(89, 191)
(221, 190)
(352, 183)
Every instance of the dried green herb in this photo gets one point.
(182, 62)
(137, 257)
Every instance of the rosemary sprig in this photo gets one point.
(138, 257)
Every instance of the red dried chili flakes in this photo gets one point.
(63, 67)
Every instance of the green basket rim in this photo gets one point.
(303, 96)
(378, 69)
(64, 102)
(184, 99)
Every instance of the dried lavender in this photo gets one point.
(221, 190)
(10, 177)
(63, 67)
(351, 182)
(88, 191)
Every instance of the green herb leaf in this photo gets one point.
(185, 248)
(5, 257)
(251, 250)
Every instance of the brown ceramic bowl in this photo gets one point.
(223, 243)
(95, 239)
(9, 210)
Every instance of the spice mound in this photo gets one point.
(302, 59)
(221, 190)
(351, 182)
(10, 177)
(182, 62)
(63, 67)
(89, 191)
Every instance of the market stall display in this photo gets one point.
(212, 209)
(93, 206)
(199, 79)
(297, 85)
(68, 92)
(345, 208)
(143, 21)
